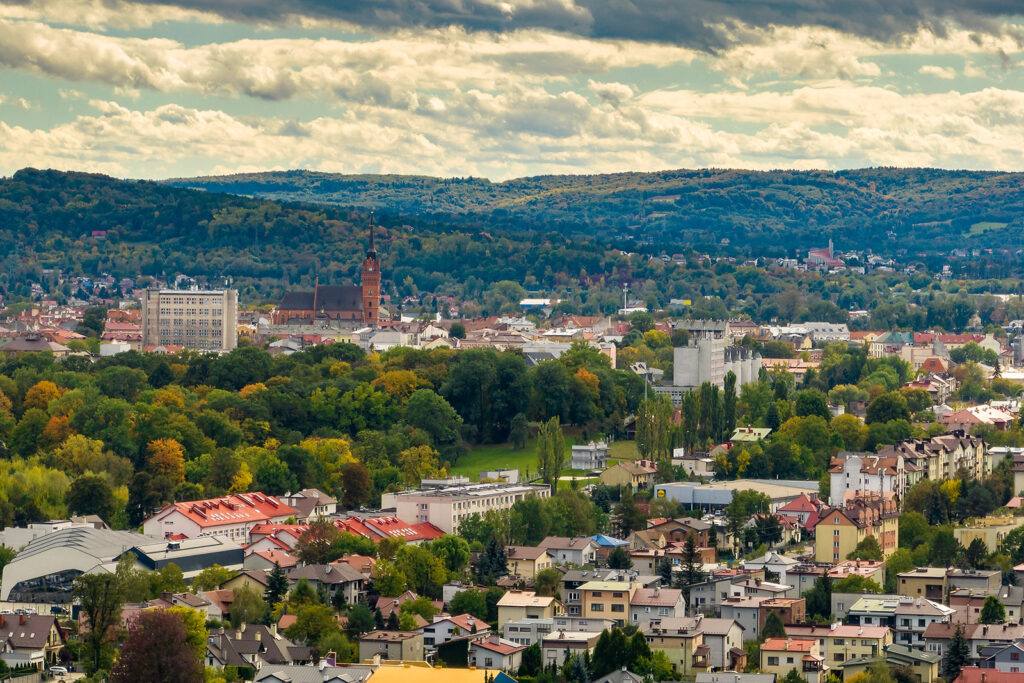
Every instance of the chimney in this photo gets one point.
(21, 619)
(273, 630)
(258, 635)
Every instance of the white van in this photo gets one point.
(58, 671)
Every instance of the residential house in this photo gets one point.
(991, 530)
(923, 666)
(30, 640)
(525, 561)
(757, 587)
(493, 652)
(516, 605)
(656, 603)
(790, 610)
(609, 599)
(803, 507)
(265, 560)
(1008, 658)
(251, 578)
(772, 564)
(970, 674)
(311, 504)
(444, 629)
(841, 529)
(779, 656)
(682, 641)
(559, 646)
(908, 618)
(745, 611)
(590, 457)
(577, 550)
(853, 474)
(979, 636)
(724, 638)
(925, 582)
(572, 579)
(252, 645)
(333, 578)
(637, 474)
(968, 602)
(291, 673)
(977, 580)
(530, 631)
(733, 677)
(840, 643)
(401, 646)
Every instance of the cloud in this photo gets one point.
(944, 72)
(697, 24)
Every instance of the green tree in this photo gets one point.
(434, 415)
(101, 600)
(312, 623)
(424, 571)
(902, 560)
(470, 601)
(992, 611)
(819, 598)
(867, 549)
(360, 619)
(628, 515)
(94, 321)
(957, 655)
(91, 494)
(618, 558)
(692, 565)
(550, 451)
(855, 583)
(314, 545)
(211, 578)
(888, 407)
(277, 585)
(388, 579)
(547, 581)
(247, 606)
(519, 431)
(453, 551)
(773, 627)
(157, 649)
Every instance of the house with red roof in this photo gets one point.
(286, 534)
(267, 559)
(802, 507)
(230, 517)
(493, 652)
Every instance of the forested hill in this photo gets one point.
(884, 209)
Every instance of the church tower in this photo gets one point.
(371, 282)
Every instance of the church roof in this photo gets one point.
(328, 298)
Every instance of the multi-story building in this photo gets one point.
(230, 517)
(607, 599)
(779, 656)
(681, 640)
(840, 529)
(925, 582)
(591, 457)
(525, 561)
(943, 456)
(842, 643)
(517, 605)
(968, 603)
(656, 603)
(530, 631)
(402, 646)
(577, 550)
(559, 646)
(447, 505)
(851, 474)
(907, 617)
(204, 320)
(991, 530)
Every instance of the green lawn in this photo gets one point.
(503, 456)
(496, 457)
(985, 226)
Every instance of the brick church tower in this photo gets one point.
(371, 282)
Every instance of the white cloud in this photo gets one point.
(944, 72)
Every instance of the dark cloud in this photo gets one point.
(681, 22)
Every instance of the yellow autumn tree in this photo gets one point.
(250, 390)
(420, 462)
(400, 383)
(40, 395)
(242, 480)
(167, 458)
(56, 430)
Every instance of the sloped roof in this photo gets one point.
(328, 298)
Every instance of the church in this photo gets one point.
(332, 303)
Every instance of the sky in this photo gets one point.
(508, 88)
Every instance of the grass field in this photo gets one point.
(985, 226)
(503, 456)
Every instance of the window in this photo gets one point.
(773, 661)
(1015, 656)
(920, 622)
(789, 660)
(840, 641)
(618, 607)
(597, 607)
(838, 657)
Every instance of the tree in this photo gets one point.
(315, 543)
(423, 606)
(94, 321)
(550, 451)
(91, 494)
(773, 627)
(424, 571)
(312, 623)
(618, 558)
(277, 585)
(793, 677)
(453, 551)
(457, 331)
(900, 561)
(101, 600)
(729, 405)
(855, 583)
(819, 598)
(957, 655)
(469, 601)
(167, 459)
(519, 431)
(434, 415)
(867, 549)
(356, 485)
(992, 611)
(531, 662)
(547, 581)
(628, 515)
(888, 407)
(247, 606)
(211, 578)
(388, 579)
(975, 553)
(812, 402)
(654, 428)
(360, 619)
(493, 563)
(693, 566)
(195, 629)
(418, 463)
(157, 650)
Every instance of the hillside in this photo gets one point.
(888, 210)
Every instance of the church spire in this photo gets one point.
(372, 251)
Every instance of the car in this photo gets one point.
(58, 671)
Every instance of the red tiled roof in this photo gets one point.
(378, 528)
(277, 557)
(788, 644)
(972, 674)
(233, 509)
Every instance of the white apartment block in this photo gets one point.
(205, 320)
(865, 472)
(447, 505)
